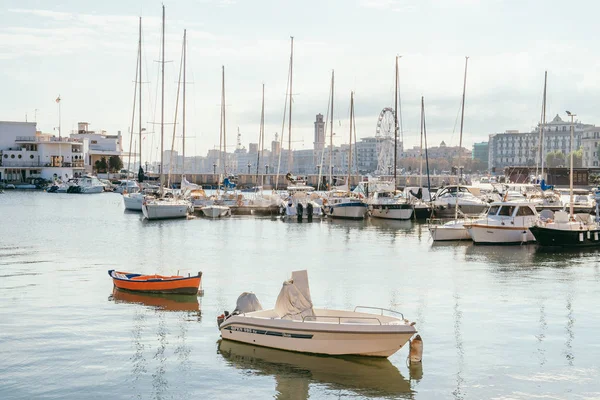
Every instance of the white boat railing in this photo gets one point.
(380, 309)
(339, 318)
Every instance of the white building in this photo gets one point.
(99, 144)
(27, 154)
(514, 148)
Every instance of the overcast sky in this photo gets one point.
(86, 52)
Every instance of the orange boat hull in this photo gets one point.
(155, 283)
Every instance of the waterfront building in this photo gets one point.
(590, 140)
(522, 148)
(27, 154)
(481, 152)
(99, 144)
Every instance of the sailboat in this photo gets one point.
(341, 202)
(164, 207)
(385, 203)
(454, 230)
(568, 229)
(216, 208)
(132, 200)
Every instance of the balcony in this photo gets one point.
(46, 139)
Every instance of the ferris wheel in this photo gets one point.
(384, 136)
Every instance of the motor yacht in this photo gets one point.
(166, 208)
(344, 204)
(295, 325)
(388, 204)
(507, 222)
(447, 198)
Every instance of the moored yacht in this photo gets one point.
(345, 204)
(389, 205)
(295, 325)
(506, 222)
(166, 208)
(446, 199)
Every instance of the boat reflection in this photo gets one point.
(163, 302)
(505, 256)
(294, 372)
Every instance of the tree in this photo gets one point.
(555, 158)
(577, 158)
(101, 165)
(114, 163)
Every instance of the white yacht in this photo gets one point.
(166, 208)
(344, 204)
(446, 198)
(389, 205)
(506, 222)
(295, 325)
(215, 211)
(127, 186)
(133, 201)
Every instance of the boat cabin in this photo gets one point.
(511, 209)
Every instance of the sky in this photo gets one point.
(86, 52)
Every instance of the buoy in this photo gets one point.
(416, 350)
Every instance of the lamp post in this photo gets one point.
(214, 168)
(249, 165)
(267, 169)
(571, 166)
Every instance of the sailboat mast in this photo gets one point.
(331, 130)
(162, 103)
(421, 150)
(261, 135)
(183, 112)
(396, 124)
(224, 126)
(462, 120)
(290, 118)
(543, 125)
(134, 103)
(425, 139)
(350, 146)
(140, 99)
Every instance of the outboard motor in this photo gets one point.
(300, 211)
(309, 211)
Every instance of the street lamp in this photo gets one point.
(570, 114)
(214, 168)
(249, 168)
(267, 169)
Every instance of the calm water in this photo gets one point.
(497, 322)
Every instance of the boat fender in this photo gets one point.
(416, 350)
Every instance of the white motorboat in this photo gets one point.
(507, 222)
(451, 230)
(133, 201)
(389, 205)
(127, 186)
(215, 211)
(165, 208)
(343, 204)
(446, 199)
(295, 325)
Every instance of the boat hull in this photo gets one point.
(421, 212)
(566, 238)
(440, 233)
(133, 202)
(333, 343)
(392, 211)
(164, 211)
(179, 285)
(215, 211)
(348, 210)
(485, 234)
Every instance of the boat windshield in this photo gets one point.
(506, 211)
(493, 210)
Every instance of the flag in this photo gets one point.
(58, 99)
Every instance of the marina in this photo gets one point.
(496, 321)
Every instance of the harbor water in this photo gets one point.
(497, 322)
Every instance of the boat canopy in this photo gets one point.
(247, 302)
(294, 301)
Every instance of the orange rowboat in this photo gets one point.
(155, 283)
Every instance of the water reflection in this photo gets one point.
(502, 256)
(392, 228)
(164, 302)
(294, 372)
